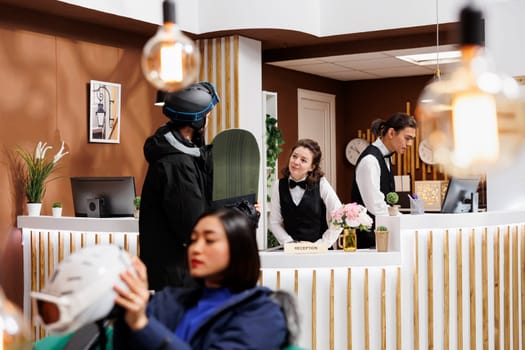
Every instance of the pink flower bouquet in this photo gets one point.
(352, 215)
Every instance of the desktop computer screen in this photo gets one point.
(103, 196)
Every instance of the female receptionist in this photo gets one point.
(303, 199)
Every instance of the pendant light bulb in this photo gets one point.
(473, 118)
(170, 60)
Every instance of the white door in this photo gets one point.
(316, 121)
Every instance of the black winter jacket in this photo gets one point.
(176, 191)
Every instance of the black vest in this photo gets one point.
(306, 221)
(386, 180)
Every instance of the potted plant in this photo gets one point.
(57, 209)
(381, 233)
(136, 203)
(392, 198)
(38, 169)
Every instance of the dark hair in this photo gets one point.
(244, 267)
(398, 122)
(314, 175)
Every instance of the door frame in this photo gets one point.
(329, 154)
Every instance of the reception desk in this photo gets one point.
(447, 281)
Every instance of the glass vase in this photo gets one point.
(348, 240)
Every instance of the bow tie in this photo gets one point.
(293, 183)
(389, 155)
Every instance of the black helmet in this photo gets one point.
(191, 105)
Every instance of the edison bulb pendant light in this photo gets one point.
(170, 60)
(473, 118)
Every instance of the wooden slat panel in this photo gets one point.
(349, 309)
(506, 289)
(314, 310)
(50, 255)
(484, 290)
(472, 290)
(228, 81)
(296, 282)
(515, 290)
(497, 306)
(446, 293)
(522, 278)
(398, 310)
(459, 293)
(236, 81)
(60, 246)
(72, 243)
(383, 309)
(218, 81)
(367, 312)
(522, 291)
(430, 291)
(332, 310)
(416, 294)
(34, 272)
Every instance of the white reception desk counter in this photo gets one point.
(448, 279)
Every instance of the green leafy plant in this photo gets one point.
(274, 140)
(38, 169)
(136, 202)
(392, 198)
(57, 205)
(381, 228)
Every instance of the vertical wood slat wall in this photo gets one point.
(473, 294)
(456, 289)
(459, 289)
(220, 62)
(344, 308)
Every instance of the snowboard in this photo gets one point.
(236, 167)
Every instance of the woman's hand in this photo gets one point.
(134, 298)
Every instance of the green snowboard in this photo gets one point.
(236, 166)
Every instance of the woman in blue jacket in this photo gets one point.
(226, 310)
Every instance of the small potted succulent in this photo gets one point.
(57, 209)
(136, 203)
(392, 198)
(381, 233)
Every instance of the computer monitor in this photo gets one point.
(461, 195)
(105, 196)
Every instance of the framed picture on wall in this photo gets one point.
(104, 112)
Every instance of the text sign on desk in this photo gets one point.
(305, 248)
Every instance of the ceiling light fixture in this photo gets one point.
(431, 58)
(170, 60)
(472, 118)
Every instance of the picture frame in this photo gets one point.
(104, 112)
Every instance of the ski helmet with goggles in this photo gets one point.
(80, 290)
(191, 105)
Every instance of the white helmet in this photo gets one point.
(80, 290)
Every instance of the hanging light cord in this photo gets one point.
(438, 72)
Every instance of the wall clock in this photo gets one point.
(354, 149)
(426, 153)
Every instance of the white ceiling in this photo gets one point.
(363, 66)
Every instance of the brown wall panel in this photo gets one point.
(45, 69)
(358, 103)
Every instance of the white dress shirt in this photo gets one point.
(368, 179)
(330, 199)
